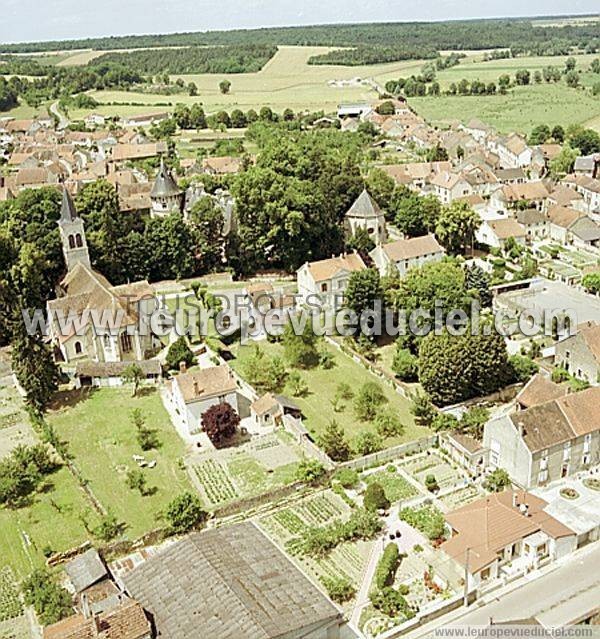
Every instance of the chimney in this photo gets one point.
(521, 427)
(85, 606)
(515, 501)
(196, 388)
(182, 367)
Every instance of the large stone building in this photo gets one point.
(556, 436)
(90, 318)
(231, 583)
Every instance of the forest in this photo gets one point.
(246, 58)
(519, 34)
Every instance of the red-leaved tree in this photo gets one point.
(219, 422)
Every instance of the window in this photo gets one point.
(567, 451)
(324, 288)
(78, 348)
(586, 459)
(543, 476)
(71, 241)
(587, 442)
(126, 343)
(78, 240)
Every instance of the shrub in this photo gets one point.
(444, 421)
(310, 471)
(405, 365)
(497, 481)
(338, 588)
(369, 399)
(374, 497)
(387, 566)
(387, 423)
(347, 477)
(367, 443)
(431, 483)
(390, 602)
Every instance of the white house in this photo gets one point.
(495, 233)
(450, 186)
(323, 283)
(403, 255)
(193, 393)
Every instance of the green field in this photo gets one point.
(285, 81)
(53, 521)
(317, 407)
(102, 441)
(523, 107)
(520, 110)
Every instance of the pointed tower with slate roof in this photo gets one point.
(72, 233)
(366, 214)
(166, 196)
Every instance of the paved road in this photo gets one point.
(63, 122)
(558, 597)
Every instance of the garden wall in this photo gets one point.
(380, 457)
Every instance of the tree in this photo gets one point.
(333, 441)
(51, 602)
(539, 135)
(522, 77)
(34, 368)
(405, 364)
(363, 290)
(387, 566)
(455, 368)
(563, 163)
(570, 64)
(136, 480)
(572, 79)
(413, 214)
(109, 527)
(523, 368)
(444, 422)
(591, 283)
(179, 351)
(375, 498)
(558, 134)
(504, 82)
(224, 86)
(147, 437)
(300, 350)
(367, 442)
(473, 421)
(297, 384)
(310, 471)
(436, 153)
(133, 374)
(497, 481)
(368, 400)
(185, 513)
(422, 408)
(381, 187)
(586, 140)
(387, 423)
(22, 473)
(361, 242)
(456, 227)
(477, 281)
(220, 422)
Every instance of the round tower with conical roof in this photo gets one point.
(166, 196)
(72, 233)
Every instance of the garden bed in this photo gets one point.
(396, 487)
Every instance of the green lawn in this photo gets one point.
(102, 440)
(53, 520)
(322, 384)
